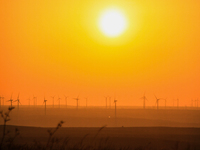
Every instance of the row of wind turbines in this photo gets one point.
(53, 98)
(107, 98)
(10, 100)
(165, 99)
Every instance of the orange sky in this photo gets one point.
(55, 47)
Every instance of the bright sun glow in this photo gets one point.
(112, 23)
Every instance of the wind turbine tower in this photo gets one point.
(165, 103)
(157, 101)
(18, 101)
(59, 100)
(45, 101)
(34, 100)
(115, 101)
(144, 100)
(2, 100)
(77, 99)
(53, 100)
(66, 100)
(11, 100)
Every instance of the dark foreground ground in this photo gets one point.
(137, 138)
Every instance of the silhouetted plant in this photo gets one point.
(6, 118)
(11, 140)
(51, 133)
(100, 131)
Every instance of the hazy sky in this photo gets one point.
(55, 47)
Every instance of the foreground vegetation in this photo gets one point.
(55, 143)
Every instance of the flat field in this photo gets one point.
(141, 129)
(98, 117)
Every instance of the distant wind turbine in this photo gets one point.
(165, 103)
(115, 101)
(59, 100)
(45, 101)
(34, 100)
(157, 101)
(144, 100)
(2, 100)
(77, 99)
(53, 100)
(11, 100)
(18, 101)
(66, 100)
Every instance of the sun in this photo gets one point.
(112, 22)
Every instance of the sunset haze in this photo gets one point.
(56, 48)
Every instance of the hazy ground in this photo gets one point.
(169, 128)
(97, 117)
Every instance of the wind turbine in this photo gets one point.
(2, 100)
(77, 99)
(11, 100)
(144, 100)
(59, 100)
(66, 100)
(34, 100)
(165, 103)
(157, 101)
(18, 101)
(115, 101)
(45, 101)
(53, 100)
